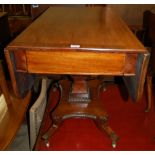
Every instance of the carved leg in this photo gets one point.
(80, 105)
(55, 125)
(149, 92)
(101, 123)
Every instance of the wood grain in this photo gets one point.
(14, 115)
(79, 40)
(89, 27)
(130, 64)
(22, 82)
(12, 73)
(86, 63)
(135, 84)
(20, 58)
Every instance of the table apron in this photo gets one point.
(78, 63)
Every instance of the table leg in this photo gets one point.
(101, 123)
(54, 126)
(77, 102)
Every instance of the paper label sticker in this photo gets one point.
(74, 46)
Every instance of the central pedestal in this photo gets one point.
(79, 91)
(80, 99)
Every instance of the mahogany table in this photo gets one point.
(78, 43)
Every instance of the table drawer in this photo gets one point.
(90, 63)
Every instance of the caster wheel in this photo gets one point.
(54, 89)
(47, 144)
(147, 110)
(113, 144)
(103, 87)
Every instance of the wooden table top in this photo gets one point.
(93, 28)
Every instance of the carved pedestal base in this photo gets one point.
(89, 109)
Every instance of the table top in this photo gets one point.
(92, 28)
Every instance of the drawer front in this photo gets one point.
(89, 63)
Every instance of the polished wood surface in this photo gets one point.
(79, 107)
(61, 27)
(84, 62)
(78, 40)
(15, 112)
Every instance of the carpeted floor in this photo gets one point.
(21, 141)
(135, 128)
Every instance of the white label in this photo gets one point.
(75, 46)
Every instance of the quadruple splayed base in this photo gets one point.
(80, 99)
